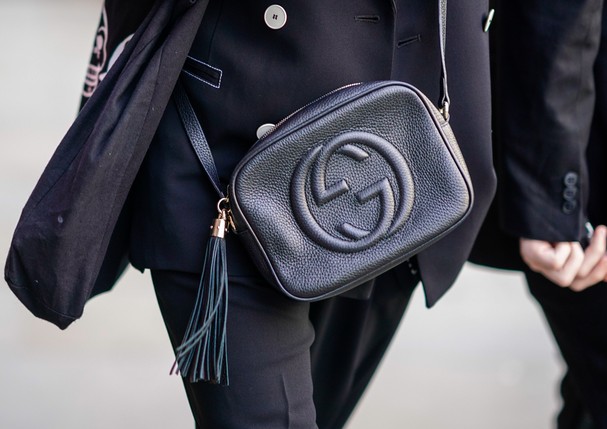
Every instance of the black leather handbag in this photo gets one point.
(348, 187)
(337, 193)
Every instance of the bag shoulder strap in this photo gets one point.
(442, 28)
(196, 136)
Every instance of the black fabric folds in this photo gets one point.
(57, 259)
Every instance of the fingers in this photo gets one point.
(562, 251)
(567, 274)
(598, 274)
(594, 267)
(544, 257)
(594, 252)
(559, 263)
(566, 263)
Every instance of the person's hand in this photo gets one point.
(566, 263)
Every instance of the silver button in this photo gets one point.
(275, 17)
(264, 129)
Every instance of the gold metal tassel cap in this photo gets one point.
(218, 229)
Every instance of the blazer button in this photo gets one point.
(569, 207)
(570, 179)
(275, 17)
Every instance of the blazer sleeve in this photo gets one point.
(545, 93)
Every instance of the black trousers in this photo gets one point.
(292, 364)
(578, 321)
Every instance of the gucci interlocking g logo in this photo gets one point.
(352, 191)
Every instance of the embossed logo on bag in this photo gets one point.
(352, 191)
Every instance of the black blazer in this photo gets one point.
(323, 45)
(549, 85)
(241, 74)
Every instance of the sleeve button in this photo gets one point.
(570, 193)
(570, 179)
(569, 207)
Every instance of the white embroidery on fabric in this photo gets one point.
(100, 64)
(99, 57)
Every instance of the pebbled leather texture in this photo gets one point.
(348, 187)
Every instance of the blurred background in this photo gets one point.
(481, 358)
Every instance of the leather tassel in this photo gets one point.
(202, 355)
